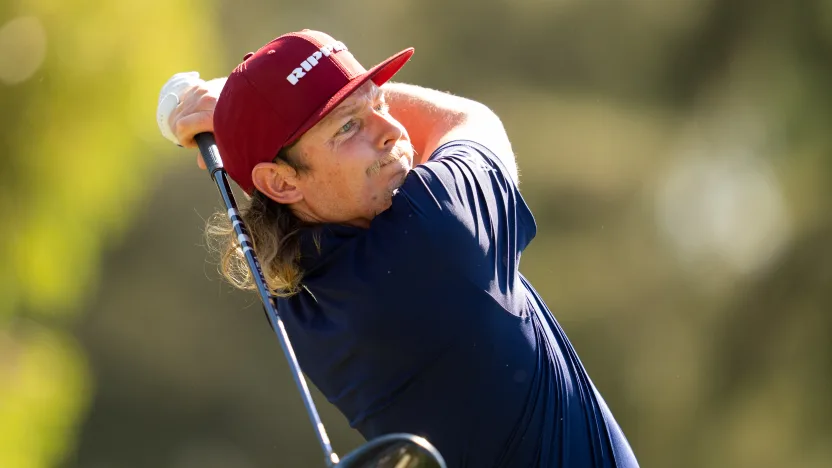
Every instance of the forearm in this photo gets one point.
(428, 115)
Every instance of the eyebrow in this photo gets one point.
(341, 112)
(375, 94)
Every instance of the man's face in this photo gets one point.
(356, 158)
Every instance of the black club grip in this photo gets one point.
(210, 152)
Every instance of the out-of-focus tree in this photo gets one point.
(78, 86)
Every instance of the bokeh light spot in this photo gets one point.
(728, 209)
(22, 49)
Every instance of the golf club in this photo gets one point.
(389, 451)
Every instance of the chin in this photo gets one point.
(407, 163)
(404, 164)
(397, 177)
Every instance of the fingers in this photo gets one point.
(188, 126)
(200, 162)
(169, 99)
(194, 114)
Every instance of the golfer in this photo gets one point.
(388, 220)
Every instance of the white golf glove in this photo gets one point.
(169, 98)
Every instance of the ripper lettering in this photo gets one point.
(312, 60)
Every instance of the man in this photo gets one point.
(389, 222)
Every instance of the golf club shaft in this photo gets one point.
(213, 161)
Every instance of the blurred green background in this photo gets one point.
(676, 156)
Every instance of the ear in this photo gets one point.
(277, 181)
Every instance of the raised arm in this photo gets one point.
(433, 118)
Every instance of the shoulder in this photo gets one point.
(464, 191)
(484, 128)
(477, 155)
(456, 171)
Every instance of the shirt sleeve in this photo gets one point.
(464, 184)
(473, 212)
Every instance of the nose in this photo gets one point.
(388, 130)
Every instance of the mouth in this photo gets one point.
(396, 155)
(389, 160)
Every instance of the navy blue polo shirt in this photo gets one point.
(422, 323)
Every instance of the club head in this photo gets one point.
(394, 451)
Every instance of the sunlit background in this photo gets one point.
(677, 156)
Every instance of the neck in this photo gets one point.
(307, 215)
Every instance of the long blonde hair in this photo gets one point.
(275, 235)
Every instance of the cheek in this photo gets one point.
(344, 183)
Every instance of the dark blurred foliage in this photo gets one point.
(676, 157)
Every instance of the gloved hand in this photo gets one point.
(170, 98)
(186, 108)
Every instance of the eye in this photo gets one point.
(382, 107)
(346, 128)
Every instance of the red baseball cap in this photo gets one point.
(279, 92)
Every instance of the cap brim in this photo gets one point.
(380, 74)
